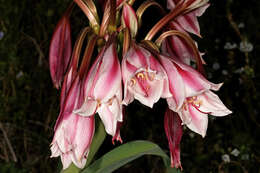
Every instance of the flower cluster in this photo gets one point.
(115, 69)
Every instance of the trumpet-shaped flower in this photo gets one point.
(177, 46)
(103, 90)
(191, 95)
(143, 76)
(195, 109)
(189, 21)
(184, 81)
(73, 133)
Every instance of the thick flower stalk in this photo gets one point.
(143, 76)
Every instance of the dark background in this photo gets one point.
(29, 104)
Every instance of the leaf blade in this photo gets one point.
(124, 154)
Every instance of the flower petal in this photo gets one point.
(108, 115)
(85, 131)
(66, 160)
(212, 104)
(109, 76)
(88, 108)
(176, 84)
(198, 122)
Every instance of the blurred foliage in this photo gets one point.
(29, 104)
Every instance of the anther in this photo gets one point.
(132, 82)
(140, 75)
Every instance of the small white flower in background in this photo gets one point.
(239, 70)
(229, 46)
(245, 157)
(226, 158)
(224, 72)
(19, 75)
(1, 35)
(241, 25)
(246, 46)
(191, 135)
(216, 66)
(210, 75)
(235, 152)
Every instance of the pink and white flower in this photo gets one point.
(103, 90)
(195, 109)
(143, 76)
(191, 95)
(187, 23)
(73, 133)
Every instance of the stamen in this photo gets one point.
(195, 102)
(132, 82)
(110, 101)
(140, 75)
(98, 103)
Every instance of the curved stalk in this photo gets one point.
(188, 40)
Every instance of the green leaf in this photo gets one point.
(124, 154)
(71, 169)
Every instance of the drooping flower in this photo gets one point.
(173, 130)
(178, 47)
(191, 95)
(184, 81)
(73, 133)
(189, 21)
(195, 109)
(60, 49)
(143, 76)
(186, 23)
(103, 90)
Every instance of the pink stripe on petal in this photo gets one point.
(129, 19)
(137, 56)
(176, 84)
(109, 80)
(190, 23)
(88, 108)
(212, 103)
(199, 121)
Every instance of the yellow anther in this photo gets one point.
(140, 75)
(198, 102)
(98, 103)
(132, 82)
(110, 101)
